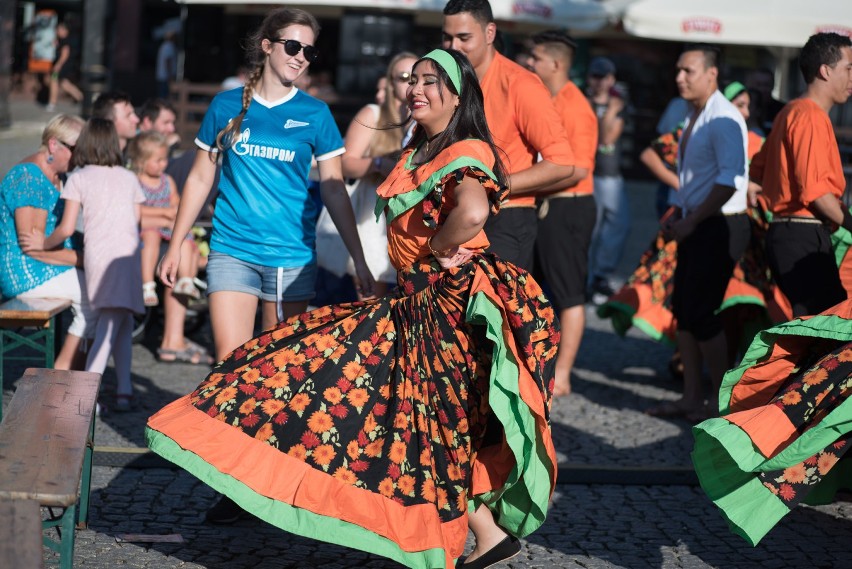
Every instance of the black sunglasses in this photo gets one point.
(70, 147)
(292, 47)
(403, 77)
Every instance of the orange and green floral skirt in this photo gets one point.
(377, 425)
(645, 299)
(786, 424)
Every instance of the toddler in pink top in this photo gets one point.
(110, 198)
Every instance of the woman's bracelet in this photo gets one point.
(445, 253)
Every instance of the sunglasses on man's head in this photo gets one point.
(292, 47)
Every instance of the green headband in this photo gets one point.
(734, 90)
(448, 64)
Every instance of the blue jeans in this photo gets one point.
(611, 228)
(287, 284)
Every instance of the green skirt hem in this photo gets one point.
(521, 504)
(287, 517)
(728, 463)
(620, 313)
(749, 507)
(825, 326)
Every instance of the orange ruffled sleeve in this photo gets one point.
(417, 201)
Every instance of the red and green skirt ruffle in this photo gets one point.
(377, 425)
(786, 424)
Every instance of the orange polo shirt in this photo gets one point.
(799, 161)
(581, 126)
(755, 143)
(522, 120)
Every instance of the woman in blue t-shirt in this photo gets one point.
(29, 202)
(262, 244)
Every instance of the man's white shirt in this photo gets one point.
(715, 154)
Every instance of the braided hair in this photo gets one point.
(269, 29)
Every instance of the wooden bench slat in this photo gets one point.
(43, 461)
(32, 308)
(20, 534)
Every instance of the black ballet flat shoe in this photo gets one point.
(503, 551)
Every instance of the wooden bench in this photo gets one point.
(46, 443)
(20, 531)
(39, 313)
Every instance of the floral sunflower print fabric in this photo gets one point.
(808, 397)
(390, 396)
(645, 299)
(378, 424)
(784, 432)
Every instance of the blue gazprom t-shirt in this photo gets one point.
(264, 212)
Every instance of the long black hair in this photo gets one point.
(468, 120)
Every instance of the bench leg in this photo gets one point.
(86, 481)
(65, 545)
(43, 341)
(50, 344)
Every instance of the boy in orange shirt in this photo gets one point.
(523, 122)
(802, 178)
(566, 216)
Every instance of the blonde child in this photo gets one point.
(110, 198)
(148, 154)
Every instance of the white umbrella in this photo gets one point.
(586, 15)
(779, 23)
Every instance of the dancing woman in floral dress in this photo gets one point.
(380, 424)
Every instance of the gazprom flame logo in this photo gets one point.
(243, 148)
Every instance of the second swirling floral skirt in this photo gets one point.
(377, 425)
(645, 299)
(785, 427)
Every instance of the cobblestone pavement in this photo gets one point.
(626, 495)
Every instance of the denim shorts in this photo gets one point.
(287, 284)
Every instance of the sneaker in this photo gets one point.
(600, 291)
(224, 512)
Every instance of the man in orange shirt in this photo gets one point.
(566, 216)
(802, 178)
(523, 122)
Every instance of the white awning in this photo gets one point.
(774, 23)
(587, 15)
